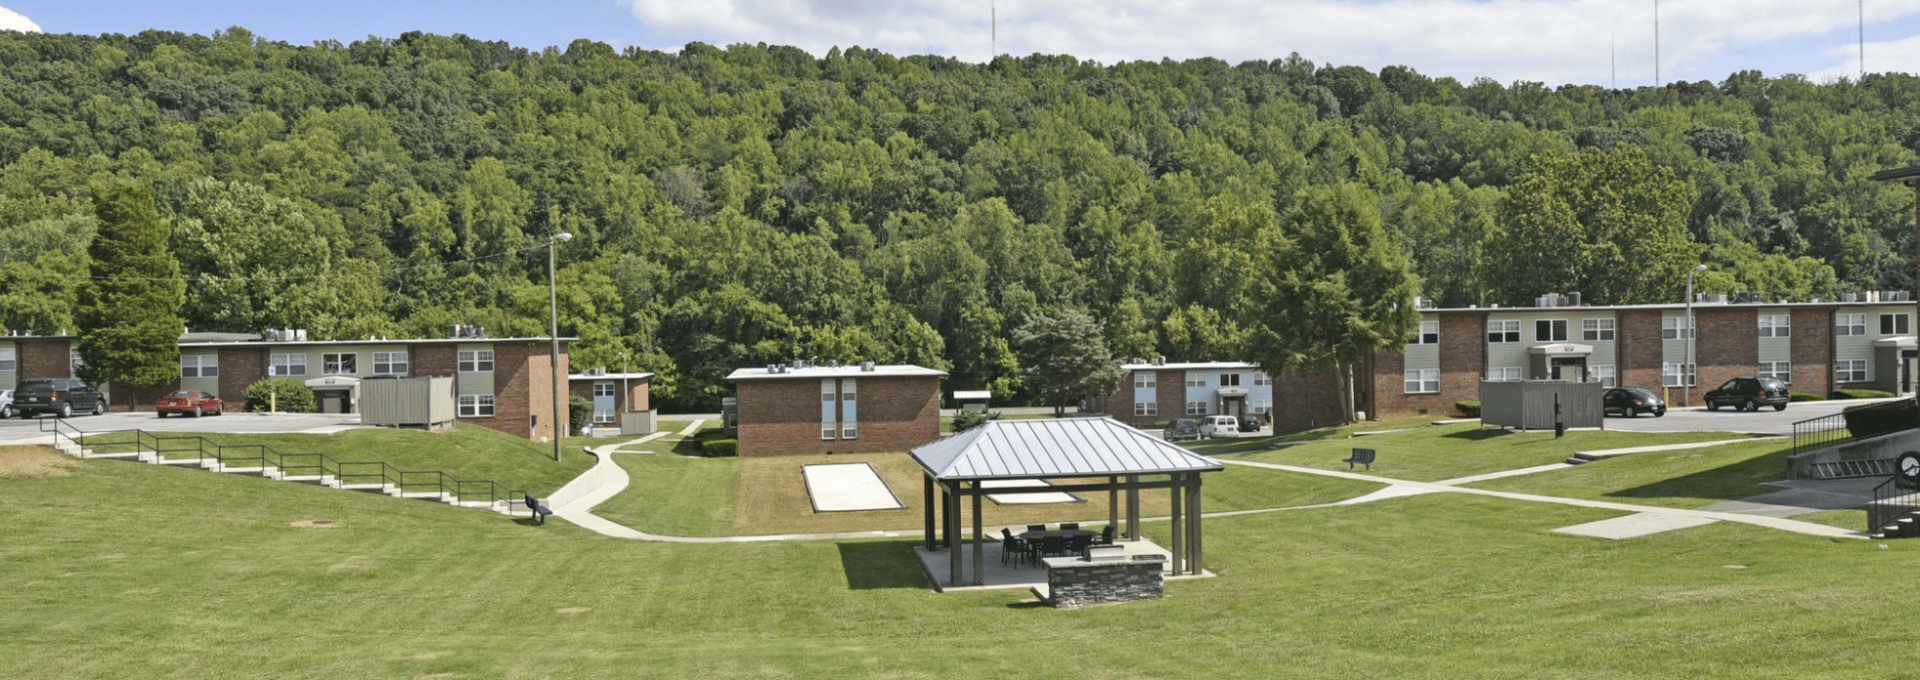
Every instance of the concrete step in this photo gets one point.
(322, 480)
(183, 462)
(130, 455)
(250, 471)
(372, 488)
(425, 495)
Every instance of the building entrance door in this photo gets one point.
(1569, 369)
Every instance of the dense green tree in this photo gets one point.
(129, 314)
(1066, 359)
(1611, 226)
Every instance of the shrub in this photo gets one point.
(281, 394)
(1878, 419)
(1470, 409)
(967, 420)
(1806, 396)
(579, 412)
(1861, 394)
(720, 448)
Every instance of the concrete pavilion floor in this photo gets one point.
(1026, 575)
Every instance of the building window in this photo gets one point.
(1850, 371)
(1604, 376)
(1229, 380)
(1675, 328)
(1429, 333)
(6, 359)
(1672, 375)
(1503, 373)
(1778, 370)
(476, 361)
(389, 363)
(339, 364)
(75, 364)
(1596, 330)
(1196, 379)
(1894, 324)
(1261, 379)
(476, 406)
(849, 417)
(1849, 324)
(202, 366)
(1196, 408)
(1262, 406)
(1143, 380)
(829, 426)
(603, 389)
(1503, 331)
(1422, 381)
(1550, 330)
(1146, 408)
(1774, 326)
(288, 364)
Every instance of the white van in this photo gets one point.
(1215, 426)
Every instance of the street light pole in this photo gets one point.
(1686, 385)
(553, 355)
(626, 393)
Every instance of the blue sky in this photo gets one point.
(1601, 42)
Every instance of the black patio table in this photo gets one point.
(1033, 538)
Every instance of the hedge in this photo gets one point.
(285, 395)
(1861, 394)
(1806, 396)
(1469, 408)
(1878, 419)
(720, 448)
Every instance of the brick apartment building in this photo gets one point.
(612, 393)
(1815, 347)
(781, 410)
(501, 383)
(1157, 391)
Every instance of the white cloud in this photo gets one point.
(1881, 57)
(1553, 41)
(14, 21)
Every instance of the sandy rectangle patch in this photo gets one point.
(33, 461)
(844, 487)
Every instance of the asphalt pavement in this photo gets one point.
(18, 429)
(1764, 421)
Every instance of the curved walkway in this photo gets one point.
(575, 501)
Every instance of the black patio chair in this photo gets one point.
(1053, 546)
(1011, 547)
(1077, 545)
(1106, 536)
(1069, 526)
(1036, 527)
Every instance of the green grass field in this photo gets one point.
(1432, 453)
(119, 570)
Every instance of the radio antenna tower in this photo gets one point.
(993, 19)
(1656, 43)
(1859, 6)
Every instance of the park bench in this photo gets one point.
(539, 511)
(1362, 457)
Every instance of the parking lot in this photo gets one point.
(1763, 421)
(16, 429)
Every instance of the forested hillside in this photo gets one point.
(740, 206)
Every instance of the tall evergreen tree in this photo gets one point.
(1065, 353)
(129, 314)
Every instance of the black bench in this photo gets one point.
(1361, 456)
(539, 511)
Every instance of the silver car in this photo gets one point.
(6, 403)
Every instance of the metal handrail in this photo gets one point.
(1831, 430)
(1892, 500)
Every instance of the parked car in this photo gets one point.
(6, 403)
(1749, 393)
(189, 402)
(1181, 429)
(1251, 423)
(59, 396)
(1214, 426)
(1632, 401)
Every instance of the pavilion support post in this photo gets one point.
(946, 517)
(1133, 507)
(979, 541)
(1194, 543)
(1173, 495)
(1113, 503)
(926, 502)
(953, 533)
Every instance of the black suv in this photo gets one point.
(1181, 429)
(59, 396)
(1748, 394)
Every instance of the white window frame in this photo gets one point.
(1503, 374)
(1597, 330)
(1676, 328)
(475, 361)
(75, 364)
(1605, 376)
(1261, 379)
(7, 360)
(1503, 330)
(331, 363)
(1146, 408)
(1421, 381)
(849, 394)
(284, 365)
(1196, 379)
(1778, 370)
(1849, 324)
(1556, 330)
(1262, 406)
(1229, 380)
(604, 389)
(1429, 334)
(829, 424)
(1670, 375)
(1775, 326)
(1900, 322)
(390, 363)
(476, 406)
(198, 366)
(1144, 380)
(1196, 408)
(1850, 371)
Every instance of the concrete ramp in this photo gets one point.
(1635, 526)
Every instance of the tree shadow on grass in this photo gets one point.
(1734, 481)
(1480, 434)
(873, 565)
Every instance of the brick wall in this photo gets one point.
(782, 417)
(1728, 346)
(1640, 355)
(1812, 353)
(44, 357)
(523, 392)
(1463, 360)
(636, 395)
(431, 361)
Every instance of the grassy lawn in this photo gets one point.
(1433, 453)
(122, 570)
(468, 452)
(680, 496)
(1686, 478)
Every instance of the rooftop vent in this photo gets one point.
(866, 366)
(1160, 360)
(465, 332)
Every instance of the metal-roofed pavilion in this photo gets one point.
(1072, 448)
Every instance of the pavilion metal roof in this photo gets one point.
(1067, 447)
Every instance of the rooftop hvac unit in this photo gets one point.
(1160, 360)
(1573, 299)
(866, 366)
(1547, 300)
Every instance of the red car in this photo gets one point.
(189, 402)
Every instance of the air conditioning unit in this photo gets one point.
(866, 366)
